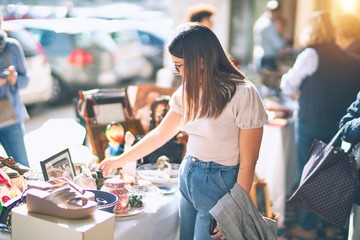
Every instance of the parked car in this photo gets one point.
(41, 87)
(21, 11)
(83, 55)
(140, 50)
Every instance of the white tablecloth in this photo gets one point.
(277, 164)
(159, 220)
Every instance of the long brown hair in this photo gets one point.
(210, 78)
(319, 30)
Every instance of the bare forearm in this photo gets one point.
(246, 176)
(153, 140)
(249, 146)
(149, 143)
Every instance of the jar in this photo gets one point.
(117, 187)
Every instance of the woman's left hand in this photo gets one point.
(217, 234)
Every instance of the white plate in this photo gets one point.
(151, 173)
(131, 212)
(166, 190)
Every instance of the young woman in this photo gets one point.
(223, 115)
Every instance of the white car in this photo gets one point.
(40, 88)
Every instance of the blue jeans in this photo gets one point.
(305, 135)
(202, 184)
(12, 140)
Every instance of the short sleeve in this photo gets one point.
(248, 108)
(175, 102)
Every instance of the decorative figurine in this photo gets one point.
(163, 164)
(115, 136)
(129, 169)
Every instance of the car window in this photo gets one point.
(26, 41)
(100, 40)
(147, 38)
(124, 37)
(53, 43)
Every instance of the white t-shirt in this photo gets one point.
(217, 139)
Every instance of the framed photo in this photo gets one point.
(106, 105)
(59, 165)
(140, 94)
(98, 138)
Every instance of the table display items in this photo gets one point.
(10, 196)
(117, 187)
(61, 198)
(32, 175)
(85, 180)
(161, 172)
(128, 203)
(128, 171)
(8, 190)
(115, 135)
(106, 201)
(12, 168)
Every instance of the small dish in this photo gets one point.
(131, 212)
(151, 173)
(166, 190)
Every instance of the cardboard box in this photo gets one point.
(27, 225)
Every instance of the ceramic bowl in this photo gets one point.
(106, 201)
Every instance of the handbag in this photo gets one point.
(329, 183)
(7, 115)
(356, 153)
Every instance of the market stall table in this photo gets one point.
(277, 163)
(159, 220)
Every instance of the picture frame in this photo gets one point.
(142, 96)
(58, 165)
(106, 105)
(98, 140)
(138, 94)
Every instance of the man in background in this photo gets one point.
(268, 42)
(201, 13)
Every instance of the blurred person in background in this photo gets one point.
(348, 33)
(268, 41)
(351, 134)
(12, 62)
(324, 80)
(201, 13)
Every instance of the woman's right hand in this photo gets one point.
(109, 165)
